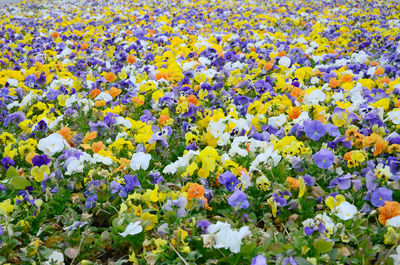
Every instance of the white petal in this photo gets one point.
(394, 221)
(132, 229)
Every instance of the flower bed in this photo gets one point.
(200, 132)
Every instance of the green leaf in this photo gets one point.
(302, 261)
(322, 245)
(276, 248)
(11, 173)
(247, 250)
(102, 196)
(333, 254)
(20, 183)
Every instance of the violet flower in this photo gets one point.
(324, 158)
(238, 198)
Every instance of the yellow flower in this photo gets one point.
(263, 183)
(25, 126)
(7, 138)
(132, 258)
(340, 119)
(391, 236)
(207, 157)
(38, 173)
(179, 239)
(192, 168)
(160, 244)
(35, 246)
(6, 207)
(302, 187)
(274, 207)
(333, 202)
(358, 156)
(149, 220)
(120, 144)
(8, 151)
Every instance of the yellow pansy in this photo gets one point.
(6, 207)
(7, 138)
(149, 220)
(38, 172)
(333, 202)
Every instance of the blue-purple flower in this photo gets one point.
(259, 260)
(381, 195)
(7, 162)
(324, 158)
(314, 129)
(229, 180)
(238, 198)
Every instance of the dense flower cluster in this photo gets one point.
(200, 132)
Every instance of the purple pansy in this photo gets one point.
(39, 160)
(229, 180)
(314, 129)
(259, 260)
(381, 195)
(7, 162)
(324, 158)
(203, 224)
(238, 198)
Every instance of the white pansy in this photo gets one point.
(86, 158)
(360, 57)
(277, 121)
(140, 160)
(13, 104)
(104, 96)
(225, 237)
(52, 144)
(71, 100)
(132, 229)
(73, 165)
(225, 157)
(394, 221)
(189, 65)
(396, 257)
(216, 128)
(210, 73)
(13, 82)
(345, 210)
(256, 145)
(245, 180)
(327, 221)
(125, 122)
(66, 52)
(314, 80)
(235, 146)
(315, 97)
(394, 116)
(55, 258)
(223, 139)
(285, 61)
(204, 61)
(371, 71)
(268, 156)
(55, 122)
(181, 162)
(27, 100)
(121, 135)
(102, 159)
(242, 124)
(87, 105)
